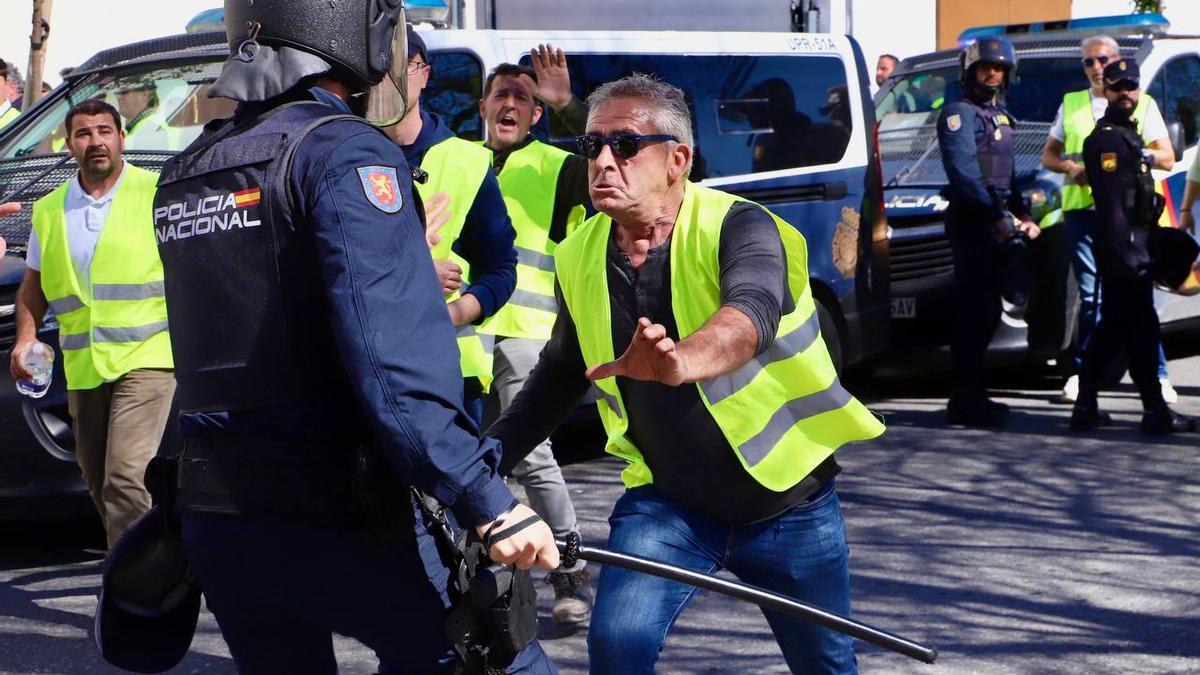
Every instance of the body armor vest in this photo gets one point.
(1139, 200)
(994, 148)
(249, 315)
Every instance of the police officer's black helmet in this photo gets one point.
(149, 602)
(998, 50)
(273, 44)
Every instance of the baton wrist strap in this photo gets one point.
(490, 538)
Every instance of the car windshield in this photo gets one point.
(163, 109)
(916, 98)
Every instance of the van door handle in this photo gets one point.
(834, 190)
(813, 192)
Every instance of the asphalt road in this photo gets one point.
(1024, 550)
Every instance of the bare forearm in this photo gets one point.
(1164, 154)
(1190, 194)
(465, 310)
(1052, 157)
(31, 308)
(724, 344)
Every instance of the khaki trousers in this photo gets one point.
(118, 427)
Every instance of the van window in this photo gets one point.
(1041, 84)
(163, 109)
(749, 113)
(1182, 103)
(454, 90)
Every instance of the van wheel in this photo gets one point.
(831, 335)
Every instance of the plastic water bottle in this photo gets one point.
(38, 360)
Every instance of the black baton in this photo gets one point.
(572, 550)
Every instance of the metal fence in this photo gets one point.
(27, 179)
(911, 156)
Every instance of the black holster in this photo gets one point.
(494, 612)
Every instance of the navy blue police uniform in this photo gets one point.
(976, 141)
(1127, 210)
(318, 379)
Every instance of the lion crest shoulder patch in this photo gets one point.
(382, 187)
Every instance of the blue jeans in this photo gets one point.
(801, 553)
(1080, 225)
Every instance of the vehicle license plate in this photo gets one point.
(904, 308)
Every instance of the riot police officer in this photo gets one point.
(318, 376)
(1127, 209)
(975, 134)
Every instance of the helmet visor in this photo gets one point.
(387, 102)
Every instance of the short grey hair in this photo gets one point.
(667, 104)
(1100, 40)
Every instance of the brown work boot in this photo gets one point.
(570, 605)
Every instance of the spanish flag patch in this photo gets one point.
(1108, 161)
(247, 197)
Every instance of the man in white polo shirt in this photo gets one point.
(93, 259)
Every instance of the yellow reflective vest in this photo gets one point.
(119, 323)
(528, 182)
(458, 167)
(8, 116)
(150, 131)
(783, 412)
(1078, 124)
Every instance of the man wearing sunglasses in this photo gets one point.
(545, 190)
(1127, 209)
(723, 400)
(1063, 153)
(476, 242)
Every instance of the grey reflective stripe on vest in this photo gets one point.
(1074, 156)
(785, 346)
(74, 341)
(128, 334)
(612, 401)
(760, 445)
(531, 300)
(468, 330)
(66, 304)
(533, 258)
(153, 289)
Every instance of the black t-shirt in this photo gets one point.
(689, 457)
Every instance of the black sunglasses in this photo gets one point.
(624, 146)
(1122, 86)
(1102, 60)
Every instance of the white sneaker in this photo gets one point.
(1168, 392)
(1070, 390)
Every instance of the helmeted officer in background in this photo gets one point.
(975, 134)
(311, 327)
(1118, 168)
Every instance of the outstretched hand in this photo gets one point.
(651, 356)
(553, 80)
(437, 214)
(7, 209)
